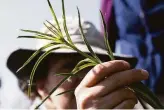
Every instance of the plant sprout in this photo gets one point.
(58, 41)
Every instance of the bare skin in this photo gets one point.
(103, 87)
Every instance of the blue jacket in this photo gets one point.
(140, 32)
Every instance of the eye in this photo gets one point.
(65, 68)
(68, 66)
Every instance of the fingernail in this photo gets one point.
(126, 64)
(145, 73)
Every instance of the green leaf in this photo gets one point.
(64, 74)
(56, 40)
(82, 62)
(110, 53)
(71, 90)
(143, 104)
(65, 24)
(51, 30)
(85, 40)
(34, 55)
(82, 65)
(35, 37)
(54, 26)
(38, 62)
(54, 15)
(148, 96)
(79, 66)
(37, 32)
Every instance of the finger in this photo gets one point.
(118, 80)
(127, 104)
(103, 70)
(115, 98)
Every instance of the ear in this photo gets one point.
(40, 87)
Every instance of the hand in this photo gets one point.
(104, 86)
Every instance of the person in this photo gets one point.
(136, 28)
(101, 87)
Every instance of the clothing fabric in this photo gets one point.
(140, 30)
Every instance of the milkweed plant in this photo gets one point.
(58, 41)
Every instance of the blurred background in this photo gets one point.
(30, 14)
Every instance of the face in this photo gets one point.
(67, 100)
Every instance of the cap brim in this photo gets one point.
(18, 57)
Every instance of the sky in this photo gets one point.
(30, 14)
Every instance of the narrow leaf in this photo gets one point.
(56, 40)
(35, 37)
(148, 96)
(54, 26)
(34, 55)
(142, 102)
(79, 68)
(82, 62)
(32, 37)
(51, 30)
(85, 40)
(110, 53)
(64, 74)
(38, 62)
(71, 90)
(37, 32)
(65, 24)
(54, 15)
